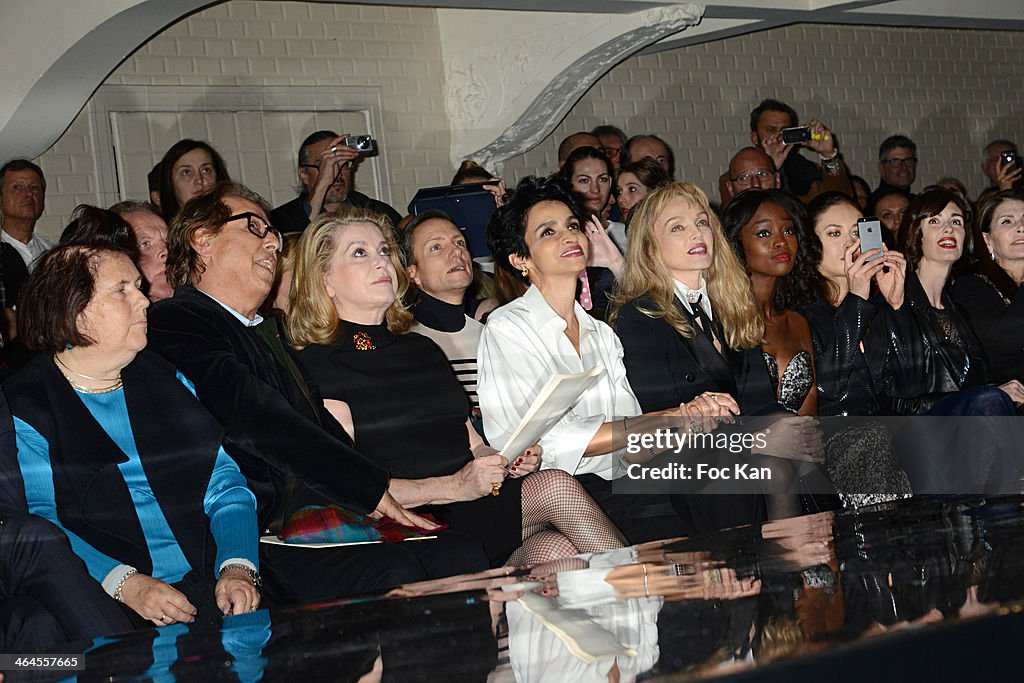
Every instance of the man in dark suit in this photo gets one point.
(222, 255)
(325, 171)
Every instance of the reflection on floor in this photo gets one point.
(932, 584)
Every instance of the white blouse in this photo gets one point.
(522, 345)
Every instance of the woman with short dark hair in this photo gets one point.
(114, 448)
(538, 238)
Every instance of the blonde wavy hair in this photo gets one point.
(313, 318)
(645, 273)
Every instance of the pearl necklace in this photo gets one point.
(117, 383)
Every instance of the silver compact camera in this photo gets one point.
(364, 144)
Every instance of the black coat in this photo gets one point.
(177, 440)
(271, 431)
(994, 304)
(666, 369)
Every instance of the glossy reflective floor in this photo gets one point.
(916, 590)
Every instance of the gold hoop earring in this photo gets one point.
(524, 271)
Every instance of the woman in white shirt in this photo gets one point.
(538, 238)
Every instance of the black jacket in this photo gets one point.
(291, 216)
(850, 380)
(946, 366)
(177, 440)
(271, 431)
(666, 369)
(994, 304)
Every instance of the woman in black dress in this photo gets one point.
(396, 395)
(991, 294)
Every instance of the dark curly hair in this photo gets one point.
(797, 288)
(506, 230)
(821, 204)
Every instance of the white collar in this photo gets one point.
(547, 322)
(241, 318)
(682, 289)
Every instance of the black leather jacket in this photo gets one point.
(850, 380)
(947, 366)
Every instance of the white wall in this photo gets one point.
(951, 91)
(248, 43)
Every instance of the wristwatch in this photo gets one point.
(254, 575)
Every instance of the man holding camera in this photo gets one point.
(325, 171)
(774, 161)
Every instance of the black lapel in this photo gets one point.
(704, 354)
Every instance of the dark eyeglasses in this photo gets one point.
(257, 225)
(908, 161)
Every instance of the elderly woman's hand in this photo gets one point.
(236, 593)
(157, 601)
(480, 476)
(528, 462)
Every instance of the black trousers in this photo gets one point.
(302, 575)
(48, 597)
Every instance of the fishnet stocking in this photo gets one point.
(560, 519)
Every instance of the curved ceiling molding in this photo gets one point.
(506, 93)
(49, 104)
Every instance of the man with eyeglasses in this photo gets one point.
(325, 171)
(897, 165)
(222, 255)
(752, 168)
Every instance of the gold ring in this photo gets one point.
(496, 488)
(715, 575)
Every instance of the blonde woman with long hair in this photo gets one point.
(689, 325)
(679, 264)
(395, 394)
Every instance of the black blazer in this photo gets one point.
(994, 304)
(665, 369)
(177, 440)
(288, 458)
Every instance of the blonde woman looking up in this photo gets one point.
(395, 394)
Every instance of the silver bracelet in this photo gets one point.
(119, 591)
(254, 575)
